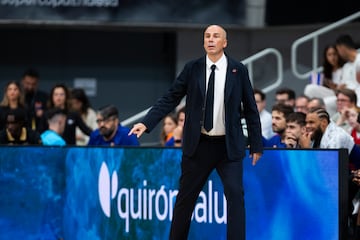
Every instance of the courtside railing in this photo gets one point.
(249, 62)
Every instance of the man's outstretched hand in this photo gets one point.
(255, 157)
(138, 129)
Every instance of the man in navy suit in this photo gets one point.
(220, 147)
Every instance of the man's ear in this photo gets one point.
(323, 124)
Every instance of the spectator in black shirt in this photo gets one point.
(35, 99)
(12, 99)
(16, 132)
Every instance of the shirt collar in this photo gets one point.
(219, 64)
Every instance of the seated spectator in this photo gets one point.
(350, 77)
(81, 104)
(329, 80)
(176, 139)
(279, 114)
(285, 96)
(56, 120)
(16, 132)
(167, 131)
(110, 131)
(295, 129)
(265, 116)
(315, 102)
(12, 99)
(35, 99)
(323, 133)
(348, 50)
(345, 99)
(301, 103)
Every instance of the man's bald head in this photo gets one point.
(218, 27)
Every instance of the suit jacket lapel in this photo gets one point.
(201, 76)
(231, 71)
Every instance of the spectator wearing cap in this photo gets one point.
(110, 131)
(16, 132)
(56, 118)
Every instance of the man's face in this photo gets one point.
(278, 122)
(107, 126)
(313, 125)
(301, 105)
(342, 102)
(214, 40)
(260, 103)
(343, 51)
(313, 104)
(29, 84)
(294, 130)
(283, 98)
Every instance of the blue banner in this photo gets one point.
(129, 193)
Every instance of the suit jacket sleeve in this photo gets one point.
(168, 101)
(252, 117)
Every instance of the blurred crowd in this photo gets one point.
(62, 117)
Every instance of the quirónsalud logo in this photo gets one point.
(148, 203)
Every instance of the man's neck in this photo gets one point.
(282, 135)
(54, 129)
(215, 57)
(352, 56)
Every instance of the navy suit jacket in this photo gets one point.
(239, 102)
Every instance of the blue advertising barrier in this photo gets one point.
(129, 193)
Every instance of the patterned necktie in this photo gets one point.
(209, 105)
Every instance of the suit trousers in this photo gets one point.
(195, 170)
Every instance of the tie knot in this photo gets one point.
(213, 67)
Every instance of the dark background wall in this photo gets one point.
(131, 68)
(285, 12)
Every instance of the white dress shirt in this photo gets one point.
(219, 92)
